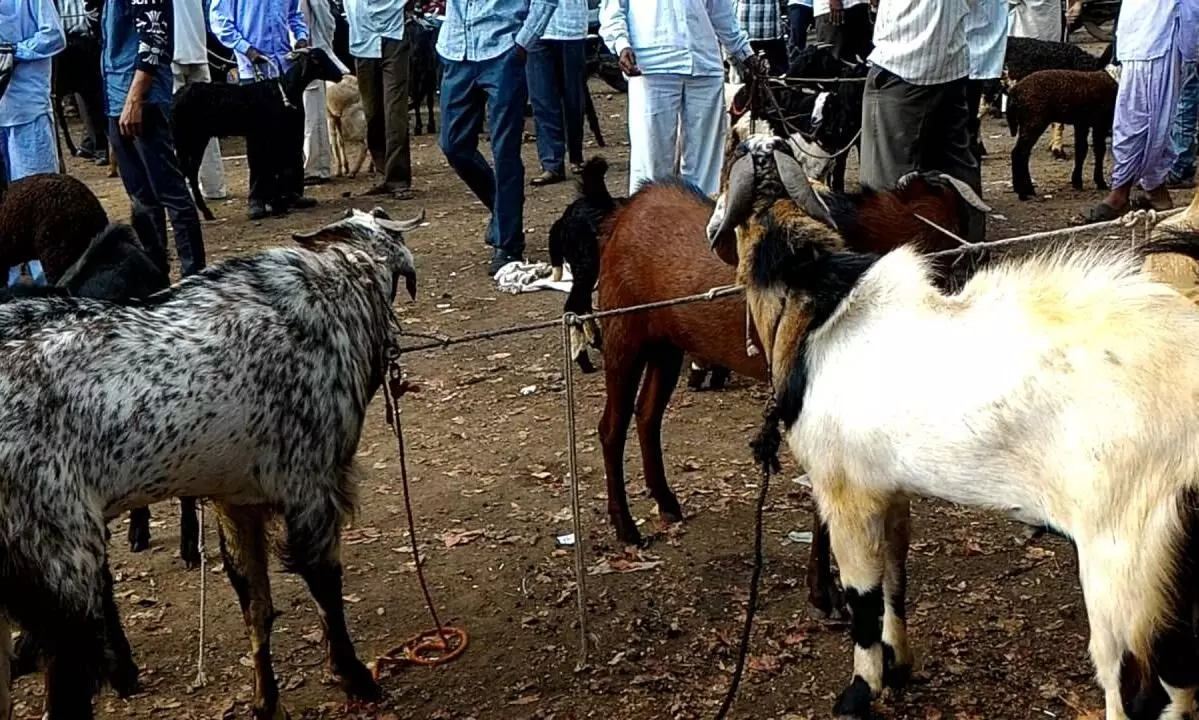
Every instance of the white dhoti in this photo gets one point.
(212, 172)
(1142, 151)
(667, 108)
(318, 152)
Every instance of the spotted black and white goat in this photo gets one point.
(247, 384)
(1059, 387)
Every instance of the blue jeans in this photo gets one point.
(1183, 133)
(557, 78)
(497, 86)
(151, 174)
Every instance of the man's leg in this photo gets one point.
(545, 95)
(370, 87)
(799, 18)
(704, 127)
(291, 160)
(212, 169)
(655, 102)
(32, 148)
(1141, 149)
(260, 156)
(574, 95)
(157, 152)
(397, 60)
(318, 153)
(503, 79)
(136, 180)
(858, 33)
(462, 122)
(1184, 131)
(894, 115)
(945, 146)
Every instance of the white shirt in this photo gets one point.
(922, 41)
(986, 38)
(674, 36)
(805, 3)
(1037, 19)
(569, 21)
(191, 43)
(820, 7)
(1145, 30)
(372, 20)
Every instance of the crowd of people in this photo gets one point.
(928, 62)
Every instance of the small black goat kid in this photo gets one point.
(424, 71)
(203, 111)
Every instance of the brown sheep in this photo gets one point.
(51, 218)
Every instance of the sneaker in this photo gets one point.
(499, 259)
(257, 210)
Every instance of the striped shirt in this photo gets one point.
(820, 7)
(760, 19)
(75, 18)
(569, 21)
(922, 41)
(986, 38)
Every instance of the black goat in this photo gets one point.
(424, 71)
(203, 111)
(575, 239)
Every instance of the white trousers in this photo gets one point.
(318, 152)
(683, 109)
(212, 172)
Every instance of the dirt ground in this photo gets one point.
(996, 622)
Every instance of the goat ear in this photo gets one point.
(800, 189)
(965, 192)
(401, 226)
(735, 205)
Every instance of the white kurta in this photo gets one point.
(318, 152)
(986, 38)
(1039, 19)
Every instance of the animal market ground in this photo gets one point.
(997, 622)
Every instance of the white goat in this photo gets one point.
(1060, 388)
(347, 122)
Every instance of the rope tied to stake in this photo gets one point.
(442, 643)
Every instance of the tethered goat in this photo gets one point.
(248, 384)
(1059, 388)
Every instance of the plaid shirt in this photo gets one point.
(760, 19)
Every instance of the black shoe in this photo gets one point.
(499, 259)
(300, 202)
(102, 160)
(257, 210)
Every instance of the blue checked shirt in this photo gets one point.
(760, 19)
(260, 24)
(569, 21)
(477, 30)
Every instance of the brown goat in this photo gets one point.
(655, 249)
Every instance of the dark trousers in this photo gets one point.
(383, 83)
(557, 91)
(79, 65)
(908, 128)
(276, 157)
(776, 54)
(799, 19)
(853, 39)
(151, 174)
(498, 87)
(974, 96)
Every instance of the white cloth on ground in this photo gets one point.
(521, 277)
(1037, 19)
(30, 148)
(922, 41)
(191, 42)
(669, 109)
(986, 38)
(212, 170)
(674, 36)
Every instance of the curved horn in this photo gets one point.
(402, 226)
(967, 193)
(801, 190)
(735, 205)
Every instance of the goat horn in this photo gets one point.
(402, 225)
(967, 193)
(800, 189)
(738, 201)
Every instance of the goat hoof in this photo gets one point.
(629, 534)
(139, 537)
(190, 554)
(854, 702)
(895, 676)
(360, 685)
(1101, 184)
(720, 378)
(695, 379)
(124, 682)
(1076, 184)
(830, 605)
(1059, 153)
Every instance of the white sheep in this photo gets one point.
(1060, 388)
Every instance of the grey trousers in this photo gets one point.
(908, 127)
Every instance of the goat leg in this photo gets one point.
(139, 529)
(592, 118)
(189, 533)
(122, 671)
(661, 376)
(824, 596)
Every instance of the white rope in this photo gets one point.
(201, 680)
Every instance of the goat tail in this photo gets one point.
(1176, 241)
(769, 439)
(592, 183)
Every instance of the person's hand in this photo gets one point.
(836, 11)
(628, 63)
(130, 122)
(301, 44)
(756, 66)
(255, 56)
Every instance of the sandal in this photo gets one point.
(576, 168)
(1099, 212)
(403, 194)
(547, 178)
